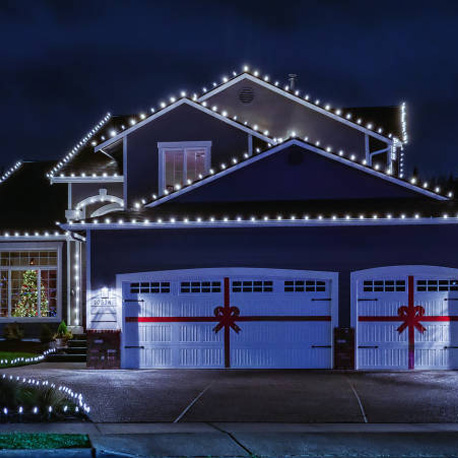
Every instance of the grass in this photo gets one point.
(23, 441)
(10, 355)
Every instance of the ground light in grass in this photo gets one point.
(24, 441)
(8, 356)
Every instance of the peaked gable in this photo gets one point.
(297, 171)
(243, 90)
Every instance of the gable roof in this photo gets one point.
(338, 114)
(275, 149)
(222, 116)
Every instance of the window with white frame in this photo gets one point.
(29, 284)
(182, 163)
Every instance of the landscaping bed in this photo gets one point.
(30, 400)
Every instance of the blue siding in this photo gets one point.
(296, 174)
(340, 249)
(184, 123)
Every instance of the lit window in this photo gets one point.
(29, 284)
(181, 163)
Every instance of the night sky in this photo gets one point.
(64, 64)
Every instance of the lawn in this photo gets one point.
(22, 441)
(10, 355)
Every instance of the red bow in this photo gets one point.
(411, 316)
(227, 317)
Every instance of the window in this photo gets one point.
(182, 163)
(308, 286)
(437, 285)
(201, 287)
(252, 286)
(387, 286)
(29, 284)
(153, 287)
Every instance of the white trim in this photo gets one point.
(183, 101)
(183, 145)
(381, 272)
(259, 223)
(88, 179)
(295, 98)
(109, 208)
(284, 145)
(99, 198)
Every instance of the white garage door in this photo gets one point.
(238, 318)
(406, 317)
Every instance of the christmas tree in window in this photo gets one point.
(28, 297)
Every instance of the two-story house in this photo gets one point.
(252, 226)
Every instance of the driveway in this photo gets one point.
(257, 396)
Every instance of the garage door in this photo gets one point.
(406, 317)
(238, 318)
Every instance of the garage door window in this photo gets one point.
(300, 286)
(386, 286)
(437, 285)
(201, 287)
(252, 286)
(153, 287)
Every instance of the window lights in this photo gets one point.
(181, 163)
(29, 284)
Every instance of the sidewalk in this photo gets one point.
(261, 439)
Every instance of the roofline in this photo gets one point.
(171, 107)
(88, 179)
(11, 171)
(280, 147)
(77, 148)
(295, 98)
(259, 223)
(21, 237)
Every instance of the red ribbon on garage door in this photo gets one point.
(411, 316)
(226, 318)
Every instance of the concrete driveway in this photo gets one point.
(258, 396)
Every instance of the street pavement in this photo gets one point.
(258, 395)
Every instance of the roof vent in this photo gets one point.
(246, 94)
(292, 80)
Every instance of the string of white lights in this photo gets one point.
(264, 220)
(35, 235)
(77, 148)
(22, 360)
(235, 161)
(295, 92)
(76, 398)
(10, 171)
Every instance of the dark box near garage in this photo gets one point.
(103, 349)
(344, 348)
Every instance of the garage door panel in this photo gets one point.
(268, 309)
(389, 357)
(375, 333)
(406, 318)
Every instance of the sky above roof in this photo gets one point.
(64, 64)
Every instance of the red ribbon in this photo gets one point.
(227, 316)
(411, 316)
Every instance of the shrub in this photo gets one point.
(63, 332)
(13, 331)
(46, 334)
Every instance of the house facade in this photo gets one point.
(251, 226)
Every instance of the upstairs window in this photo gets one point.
(181, 163)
